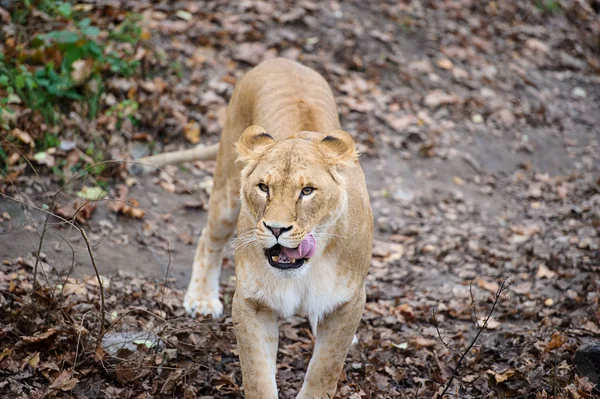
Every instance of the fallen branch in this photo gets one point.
(198, 153)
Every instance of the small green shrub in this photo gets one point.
(44, 88)
(51, 70)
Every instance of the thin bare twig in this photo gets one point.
(474, 340)
(89, 248)
(78, 341)
(437, 328)
(164, 289)
(473, 306)
(70, 268)
(87, 243)
(39, 250)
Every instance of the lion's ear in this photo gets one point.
(338, 148)
(253, 142)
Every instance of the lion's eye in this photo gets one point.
(263, 187)
(307, 190)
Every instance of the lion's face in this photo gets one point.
(291, 188)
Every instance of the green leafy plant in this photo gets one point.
(43, 88)
(49, 140)
(548, 6)
(129, 31)
(124, 109)
(79, 62)
(52, 8)
(5, 111)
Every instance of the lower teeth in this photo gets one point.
(276, 259)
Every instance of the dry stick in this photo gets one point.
(159, 336)
(89, 248)
(473, 307)
(457, 367)
(72, 265)
(198, 153)
(39, 250)
(437, 328)
(77, 346)
(164, 290)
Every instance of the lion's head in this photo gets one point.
(294, 189)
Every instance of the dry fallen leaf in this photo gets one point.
(420, 342)
(556, 341)
(544, 272)
(191, 132)
(80, 211)
(34, 361)
(489, 286)
(82, 69)
(504, 376)
(492, 324)
(34, 339)
(436, 98)
(407, 311)
(125, 206)
(24, 137)
(445, 63)
(458, 181)
(64, 382)
(186, 238)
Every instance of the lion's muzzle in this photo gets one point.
(282, 257)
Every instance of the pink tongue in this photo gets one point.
(306, 249)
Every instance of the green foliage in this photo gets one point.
(49, 140)
(548, 6)
(130, 30)
(124, 109)
(44, 88)
(3, 159)
(52, 8)
(177, 68)
(93, 150)
(4, 100)
(79, 62)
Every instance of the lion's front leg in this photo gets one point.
(334, 338)
(257, 335)
(202, 296)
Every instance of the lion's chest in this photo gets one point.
(314, 292)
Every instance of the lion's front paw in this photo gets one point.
(195, 305)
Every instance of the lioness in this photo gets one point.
(305, 228)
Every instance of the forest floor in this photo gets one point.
(479, 127)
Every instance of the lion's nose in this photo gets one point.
(277, 231)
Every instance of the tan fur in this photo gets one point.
(282, 130)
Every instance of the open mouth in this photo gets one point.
(278, 259)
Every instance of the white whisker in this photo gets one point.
(318, 235)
